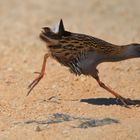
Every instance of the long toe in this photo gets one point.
(123, 102)
(126, 102)
(131, 102)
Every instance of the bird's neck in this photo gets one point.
(128, 52)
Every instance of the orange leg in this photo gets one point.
(41, 74)
(122, 99)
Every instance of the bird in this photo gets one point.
(82, 54)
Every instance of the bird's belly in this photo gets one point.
(89, 63)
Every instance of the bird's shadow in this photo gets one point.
(108, 101)
(81, 122)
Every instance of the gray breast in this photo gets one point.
(86, 63)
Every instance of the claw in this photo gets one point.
(123, 101)
(126, 102)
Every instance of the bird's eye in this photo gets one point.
(46, 29)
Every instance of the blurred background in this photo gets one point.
(21, 53)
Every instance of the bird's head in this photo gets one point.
(137, 47)
(131, 51)
(52, 35)
(134, 49)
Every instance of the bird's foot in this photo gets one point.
(35, 82)
(125, 101)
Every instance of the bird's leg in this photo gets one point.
(41, 74)
(122, 99)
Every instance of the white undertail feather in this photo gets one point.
(55, 28)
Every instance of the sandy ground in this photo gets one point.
(60, 92)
